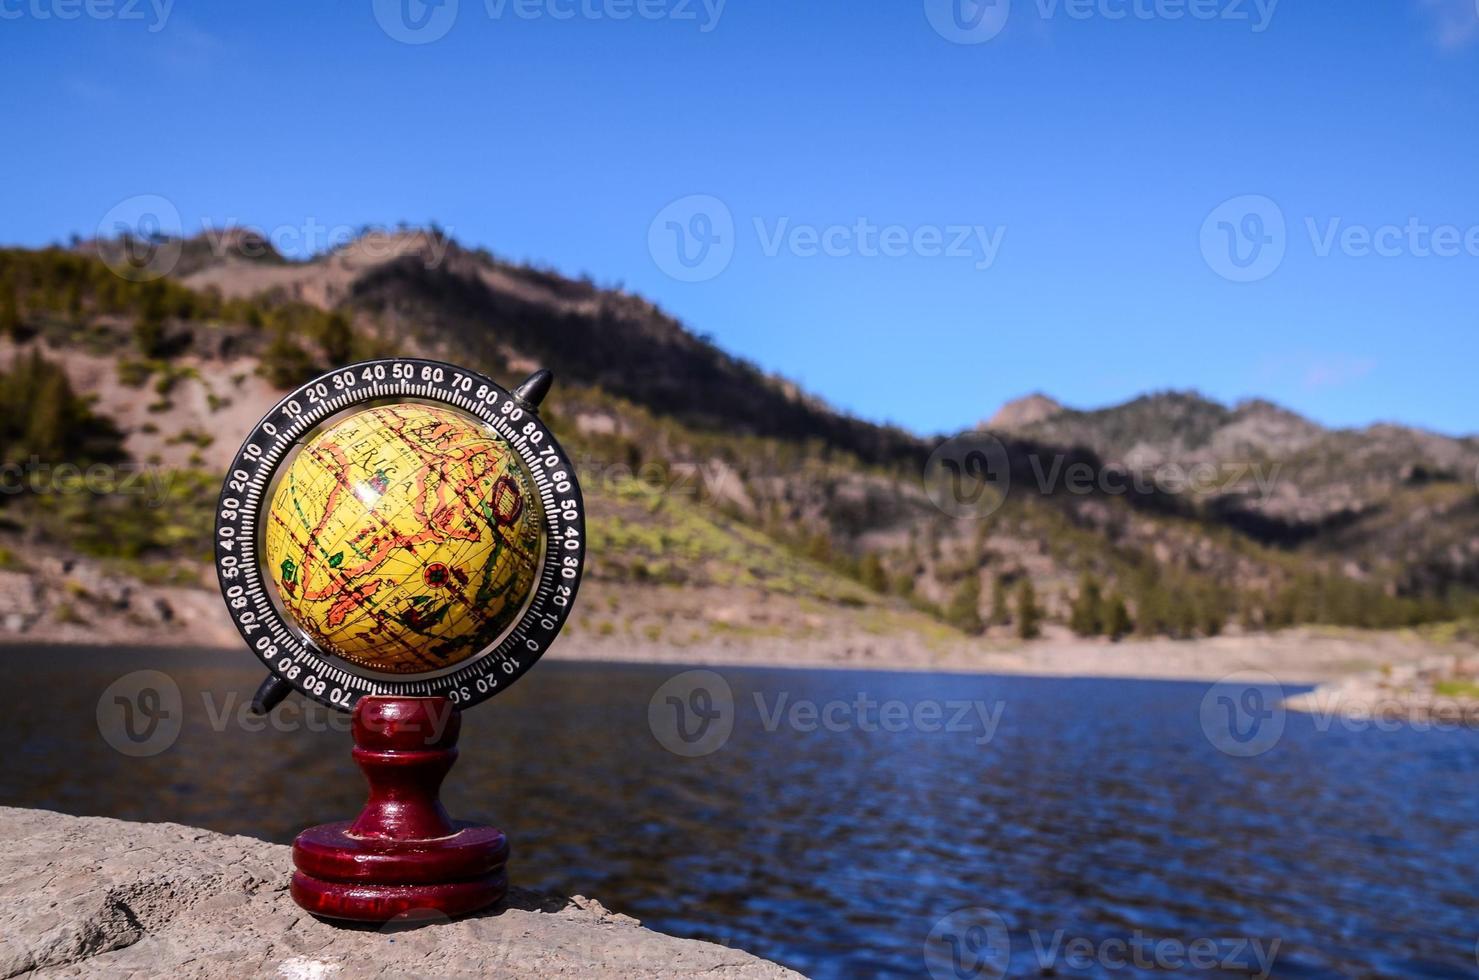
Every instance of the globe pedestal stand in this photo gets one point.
(403, 853)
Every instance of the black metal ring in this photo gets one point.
(282, 646)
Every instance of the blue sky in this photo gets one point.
(1078, 156)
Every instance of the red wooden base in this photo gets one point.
(403, 852)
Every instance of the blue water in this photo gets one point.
(1095, 812)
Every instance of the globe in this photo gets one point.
(405, 538)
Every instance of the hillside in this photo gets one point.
(1390, 501)
(724, 501)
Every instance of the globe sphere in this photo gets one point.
(404, 539)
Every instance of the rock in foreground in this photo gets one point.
(88, 896)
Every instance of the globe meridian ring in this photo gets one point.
(253, 592)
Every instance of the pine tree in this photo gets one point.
(1086, 617)
(337, 338)
(1029, 613)
(903, 584)
(1249, 615)
(964, 610)
(1152, 606)
(1211, 612)
(871, 573)
(284, 362)
(1184, 614)
(149, 336)
(1117, 624)
(46, 426)
(10, 314)
(40, 415)
(819, 547)
(1001, 614)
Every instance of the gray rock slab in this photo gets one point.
(94, 897)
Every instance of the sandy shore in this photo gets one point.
(62, 602)
(1294, 657)
(1395, 676)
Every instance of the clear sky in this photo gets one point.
(913, 227)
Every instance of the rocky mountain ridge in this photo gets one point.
(710, 473)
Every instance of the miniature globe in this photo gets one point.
(404, 539)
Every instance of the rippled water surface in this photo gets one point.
(1097, 810)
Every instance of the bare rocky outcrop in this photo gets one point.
(89, 896)
(58, 598)
(1440, 689)
(1022, 412)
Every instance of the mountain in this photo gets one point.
(1022, 413)
(1386, 502)
(1189, 428)
(428, 291)
(725, 500)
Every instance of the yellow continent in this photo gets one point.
(404, 539)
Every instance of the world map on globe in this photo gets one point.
(404, 538)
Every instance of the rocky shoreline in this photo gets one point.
(1431, 692)
(61, 601)
(95, 897)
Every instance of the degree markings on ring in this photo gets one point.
(494, 669)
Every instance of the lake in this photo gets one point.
(848, 823)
